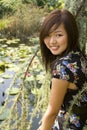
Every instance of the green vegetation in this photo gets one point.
(23, 24)
(20, 61)
(28, 92)
(22, 19)
(11, 6)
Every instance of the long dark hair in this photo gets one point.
(56, 18)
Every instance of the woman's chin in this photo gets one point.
(55, 52)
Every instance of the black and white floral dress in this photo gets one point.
(72, 68)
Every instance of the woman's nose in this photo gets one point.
(52, 40)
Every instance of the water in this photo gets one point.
(3, 95)
(4, 86)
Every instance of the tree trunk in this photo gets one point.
(79, 9)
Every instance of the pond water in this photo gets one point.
(4, 86)
(12, 56)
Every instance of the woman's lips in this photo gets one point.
(54, 48)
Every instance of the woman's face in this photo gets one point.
(57, 40)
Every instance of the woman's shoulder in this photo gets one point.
(75, 57)
(68, 64)
(74, 60)
(72, 67)
(72, 56)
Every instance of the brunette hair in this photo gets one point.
(55, 18)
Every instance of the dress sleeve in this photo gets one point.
(71, 68)
(66, 71)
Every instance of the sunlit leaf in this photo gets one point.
(36, 91)
(5, 113)
(12, 91)
(7, 76)
(2, 72)
(2, 39)
(15, 41)
(31, 78)
(13, 67)
(1, 80)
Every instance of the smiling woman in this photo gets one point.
(56, 42)
(62, 56)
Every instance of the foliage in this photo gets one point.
(25, 22)
(51, 4)
(8, 6)
(76, 100)
(79, 10)
(31, 82)
(27, 16)
(4, 23)
(17, 94)
(27, 93)
(31, 94)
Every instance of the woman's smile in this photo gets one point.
(54, 48)
(56, 42)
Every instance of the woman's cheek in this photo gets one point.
(46, 41)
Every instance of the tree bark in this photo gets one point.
(79, 9)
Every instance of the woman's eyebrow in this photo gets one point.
(55, 31)
(58, 31)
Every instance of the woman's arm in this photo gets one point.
(58, 90)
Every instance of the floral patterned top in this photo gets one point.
(73, 68)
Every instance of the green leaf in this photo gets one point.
(31, 78)
(12, 91)
(4, 114)
(1, 80)
(7, 76)
(13, 41)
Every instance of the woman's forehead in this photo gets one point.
(57, 28)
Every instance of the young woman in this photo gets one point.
(62, 55)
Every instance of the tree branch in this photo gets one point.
(30, 63)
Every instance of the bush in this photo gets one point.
(25, 22)
(7, 7)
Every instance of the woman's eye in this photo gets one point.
(59, 35)
(48, 36)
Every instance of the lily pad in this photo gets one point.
(3, 39)
(7, 76)
(12, 91)
(4, 114)
(13, 67)
(1, 80)
(15, 41)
